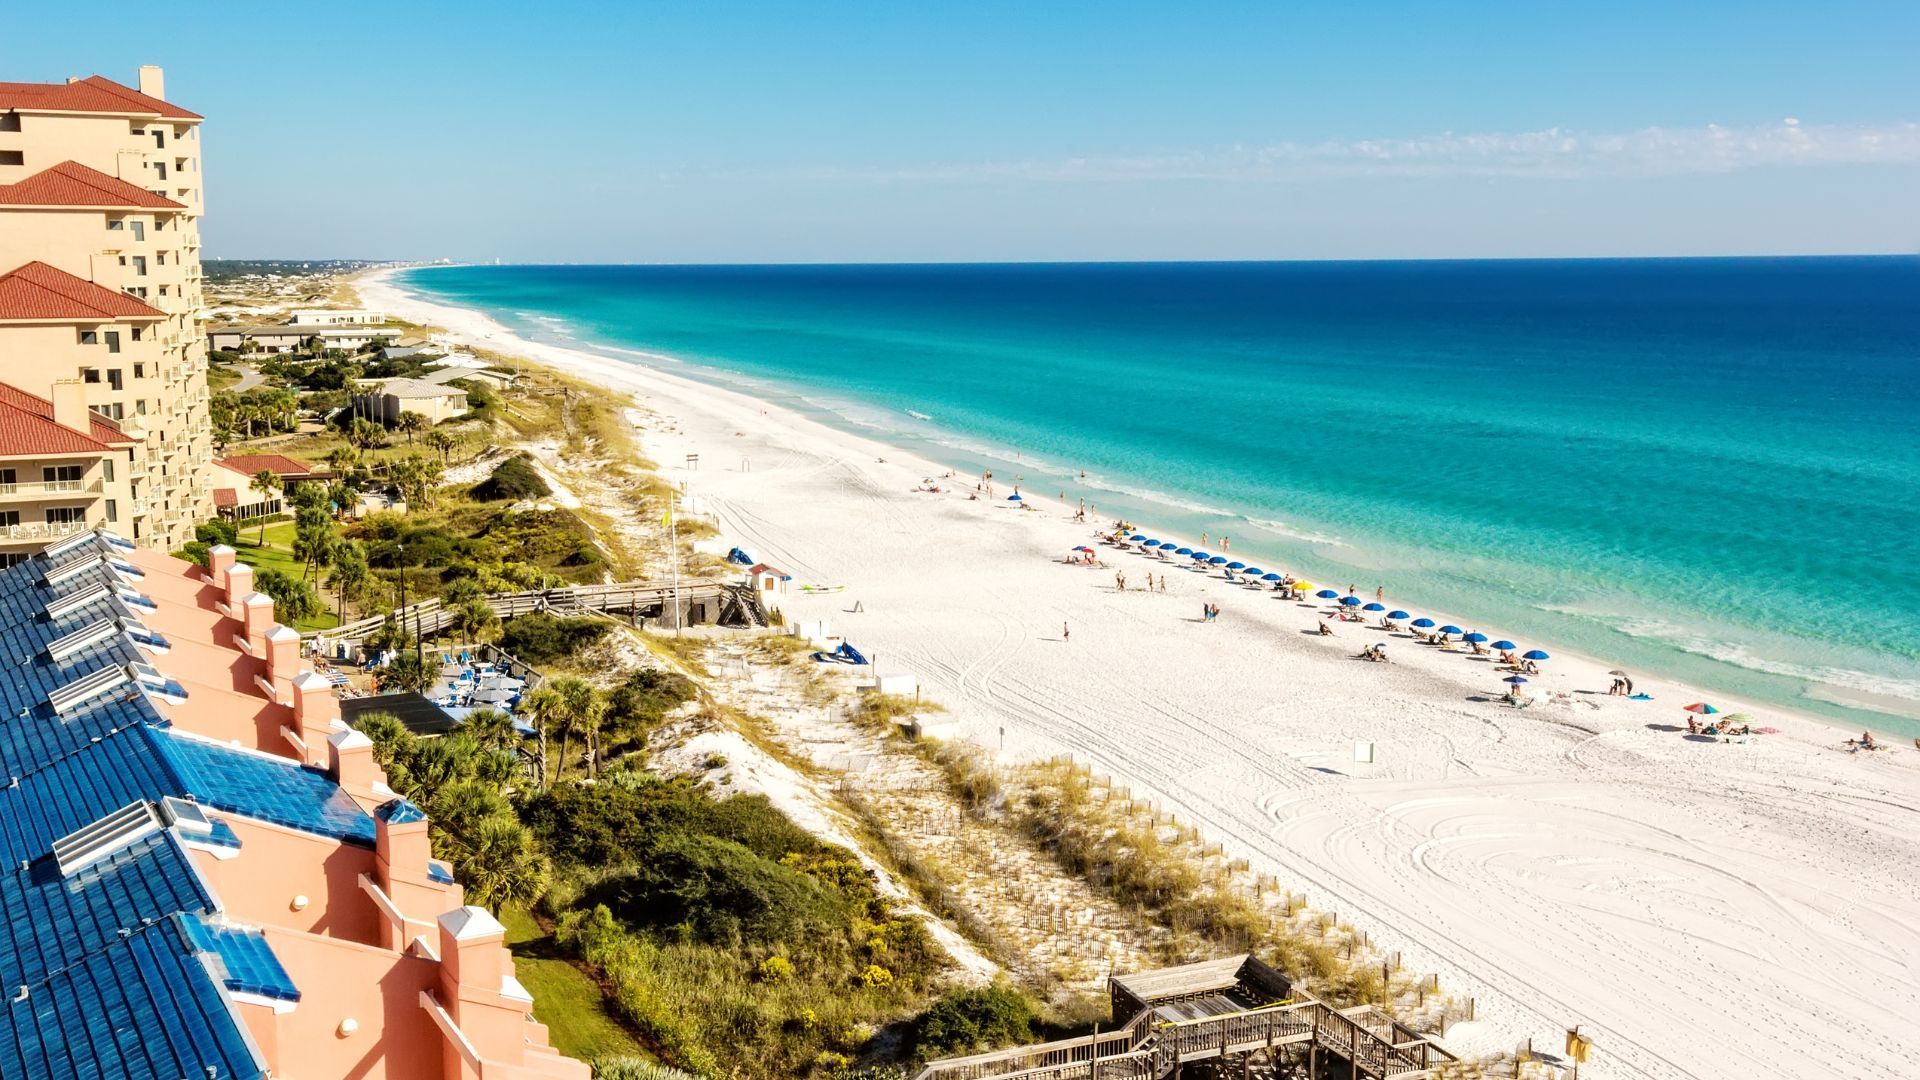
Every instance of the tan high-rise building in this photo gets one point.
(100, 279)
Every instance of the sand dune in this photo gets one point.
(1704, 909)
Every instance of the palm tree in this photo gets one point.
(582, 709)
(491, 729)
(350, 572)
(442, 441)
(500, 864)
(267, 485)
(544, 705)
(474, 620)
(411, 422)
(407, 672)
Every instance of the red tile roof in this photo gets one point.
(73, 184)
(277, 464)
(103, 429)
(25, 431)
(93, 94)
(39, 291)
(226, 497)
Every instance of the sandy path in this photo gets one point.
(1705, 910)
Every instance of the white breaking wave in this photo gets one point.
(1727, 652)
(1281, 528)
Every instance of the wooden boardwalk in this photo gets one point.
(1228, 1026)
(699, 601)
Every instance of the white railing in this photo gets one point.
(41, 530)
(34, 489)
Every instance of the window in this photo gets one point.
(139, 370)
(113, 512)
(140, 265)
(9, 517)
(106, 469)
(9, 121)
(13, 558)
(8, 478)
(140, 406)
(90, 374)
(88, 337)
(159, 140)
(66, 515)
(163, 290)
(136, 337)
(159, 258)
(12, 157)
(117, 225)
(62, 474)
(162, 166)
(111, 412)
(140, 231)
(113, 343)
(113, 377)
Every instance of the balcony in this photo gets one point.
(39, 532)
(50, 489)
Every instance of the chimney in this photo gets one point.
(473, 949)
(402, 861)
(350, 762)
(256, 618)
(220, 559)
(70, 405)
(238, 585)
(153, 81)
(283, 660)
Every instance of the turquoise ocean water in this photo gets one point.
(1704, 468)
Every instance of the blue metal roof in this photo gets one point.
(251, 967)
(270, 789)
(111, 990)
(399, 812)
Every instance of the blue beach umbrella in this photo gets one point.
(1476, 637)
(1396, 614)
(1449, 629)
(1374, 607)
(1216, 560)
(1515, 679)
(1183, 551)
(1535, 654)
(1423, 623)
(1504, 644)
(1138, 536)
(1270, 577)
(1150, 543)
(1350, 601)
(1236, 565)
(1254, 571)
(1015, 498)
(1327, 594)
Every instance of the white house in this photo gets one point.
(768, 579)
(332, 317)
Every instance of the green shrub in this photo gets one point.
(195, 552)
(775, 969)
(719, 892)
(217, 531)
(514, 478)
(974, 1019)
(541, 638)
(632, 1068)
(293, 599)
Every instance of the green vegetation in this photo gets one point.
(973, 1019)
(514, 478)
(567, 1000)
(541, 638)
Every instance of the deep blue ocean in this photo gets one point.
(1707, 468)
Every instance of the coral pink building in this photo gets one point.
(206, 874)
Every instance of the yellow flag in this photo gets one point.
(1578, 1046)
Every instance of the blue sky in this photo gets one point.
(853, 131)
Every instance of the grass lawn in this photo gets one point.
(565, 998)
(278, 555)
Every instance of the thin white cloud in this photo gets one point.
(1552, 153)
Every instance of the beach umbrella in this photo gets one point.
(1350, 601)
(1015, 498)
(1701, 707)
(1083, 547)
(1236, 565)
(1270, 577)
(1303, 586)
(1216, 560)
(1150, 543)
(1617, 671)
(1449, 629)
(1374, 607)
(1423, 623)
(494, 697)
(1138, 536)
(1396, 614)
(1254, 571)
(1504, 644)
(1476, 636)
(1380, 645)
(1183, 551)
(1325, 594)
(1535, 654)
(1515, 679)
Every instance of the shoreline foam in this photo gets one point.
(1688, 902)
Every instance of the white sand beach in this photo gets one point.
(1703, 909)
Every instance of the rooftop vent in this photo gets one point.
(77, 568)
(71, 543)
(84, 689)
(93, 633)
(90, 844)
(75, 601)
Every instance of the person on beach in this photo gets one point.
(1325, 630)
(1380, 593)
(1065, 633)
(1628, 679)
(1203, 539)
(1226, 544)
(1163, 583)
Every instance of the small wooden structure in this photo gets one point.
(768, 579)
(1218, 1018)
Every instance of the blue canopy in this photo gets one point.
(1254, 571)
(1326, 594)
(1374, 607)
(1475, 636)
(1350, 601)
(1183, 551)
(1396, 614)
(1449, 629)
(1138, 536)
(1216, 560)
(1015, 497)
(1423, 623)
(1150, 543)
(1270, 577)
(1503, 644)
(1515, 679)
(1535, 654)
(1236, 566)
